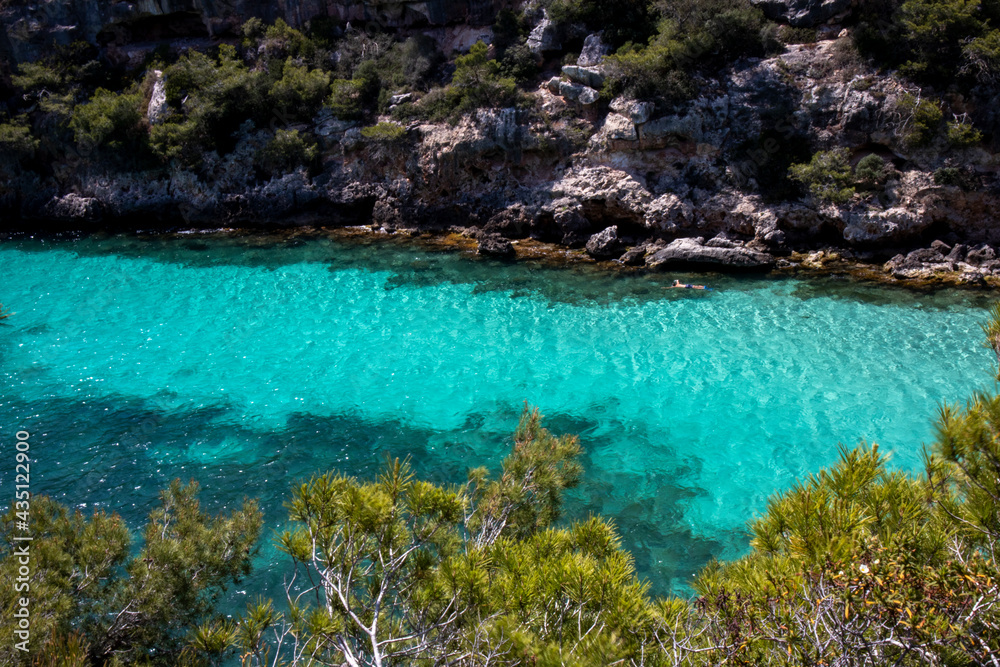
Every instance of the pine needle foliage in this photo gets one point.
(91, 594)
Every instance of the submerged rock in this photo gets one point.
(635, 256)
(496, 246)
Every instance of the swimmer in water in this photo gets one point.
(678, 283)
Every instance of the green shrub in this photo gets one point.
(508, 30)
(282, 38)
(649, 73)
(620, 20)
(477, 83)
(346, 99)
(921, 119)
(870, 171)
(949, 176)
(937, 42)
(384, 132)
(982, 56)
(37, 77)
(827, 176)
(789, 35)
(253, 28)
(287, 151)
(177, 140)
(409, 65)
(963, 134)
(17, 141)
(300, 91)
(518, 63)
(932, 34)
(693, 35)
(108, 119)
(212, 98)
(440, 104)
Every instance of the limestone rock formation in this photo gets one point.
(544, 37)
(605, 244)
(585, 76)
(593, 51)
(496, 246)
(689, 252)
(74, 207)
(157, 110)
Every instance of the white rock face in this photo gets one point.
(578, 93)
(157, 110)
(612, 188)
(637, 112)
(544, 37)
(619, 128)
(587, 76)
(593, 51)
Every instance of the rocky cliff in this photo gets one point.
(32, 27)
(623, 179)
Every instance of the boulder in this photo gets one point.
(920, 264)
(593, 51)
(635, 111)
(587, 76)
(958, 253)
(634, 256)
(605, 244)
(544, 37)
(619, 128)
(400, 98)
(329, 126)
(575, 92)
(602, 192)
(980, 254)
(688, 252)
(74, 207)
(803, 13)
(496, 246)
(511, 223)
(972, 278)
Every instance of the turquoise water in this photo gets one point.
(249, 363)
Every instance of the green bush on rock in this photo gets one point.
(287, 151)
(827, 176)
(109, 119)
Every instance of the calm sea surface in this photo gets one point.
(248, 364)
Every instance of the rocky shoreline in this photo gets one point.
(617, 181)
(938, 266)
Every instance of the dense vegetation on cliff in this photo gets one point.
(856, 564)
(74, 109)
